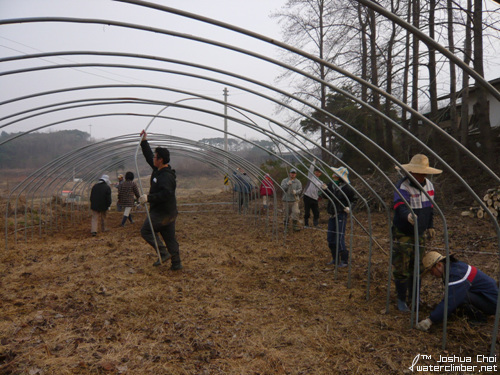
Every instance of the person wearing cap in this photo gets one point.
(468, 288)
(403, 230)
(340, 196)
(292, 188)
(266, 190)
(311, 194)
(100, 201)
(162, 205)
(119, 207)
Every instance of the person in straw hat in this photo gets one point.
(468, 288)
(403, 256)
(340, 196)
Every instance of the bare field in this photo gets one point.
(245, 302)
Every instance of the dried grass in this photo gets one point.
(243, 304)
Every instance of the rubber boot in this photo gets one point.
(124, 220)
(344, 258)
(176, 262)
(333, 250)
(401, 288)
(295, 224)
(130, 219)
(315, 222)
(164, 257)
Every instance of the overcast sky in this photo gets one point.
(29, 38)
(24, 38)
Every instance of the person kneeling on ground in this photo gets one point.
(469, 288)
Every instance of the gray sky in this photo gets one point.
(28, 38)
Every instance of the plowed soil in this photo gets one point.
(246, 302)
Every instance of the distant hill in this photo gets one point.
(34, 150)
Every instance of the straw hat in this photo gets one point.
(420, 164)
(342, 172)
(431, 259)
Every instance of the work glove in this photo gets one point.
(424, 325)
(410, 219)
(290, 182)
(431, 232)
(143, 198)
(347, 210)
(294, 192)
(324, 186)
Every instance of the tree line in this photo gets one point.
(34, 150)
(379, 51)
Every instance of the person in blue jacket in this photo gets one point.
(243, 187)
(468, 287)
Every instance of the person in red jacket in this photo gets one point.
(266, 190)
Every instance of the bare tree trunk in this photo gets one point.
(406, 75)
(414, 126)
(379, 132)
(453, 85)
(481, 107)
(324, 155)
(364, 61)
(388, 88)
(364, 52)
(464, 121)
(434, 115)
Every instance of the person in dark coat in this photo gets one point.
(100, 201)
(340, 195)
(119, 208)
(243, 187)
(127, 191)
(468, 288)
(162, 203)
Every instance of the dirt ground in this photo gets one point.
(246, 302)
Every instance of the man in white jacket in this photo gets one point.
(292, 189)
(311, 195)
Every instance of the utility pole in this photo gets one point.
(225, 119)
(226, 162)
